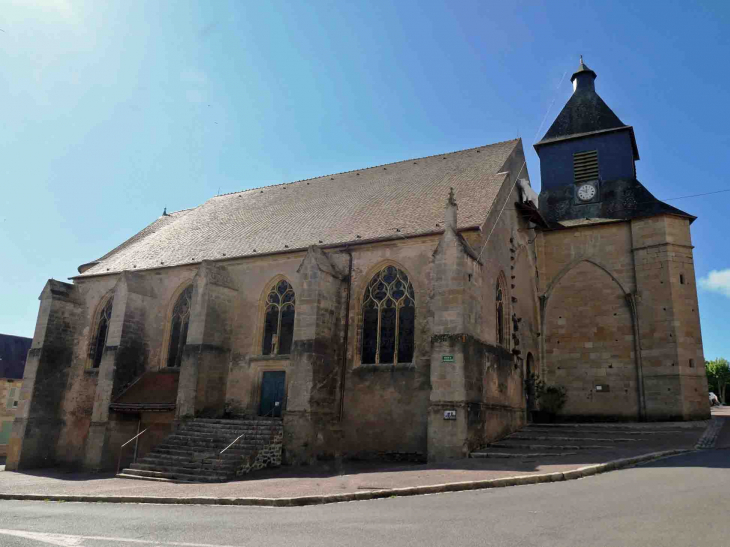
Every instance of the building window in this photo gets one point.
(389, 314)
(102, 330)
(12, 401)
(681, 279)
(179, 327)
(501, 337)
(585, 166)
(279, 320)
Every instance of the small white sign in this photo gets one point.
(449, 414)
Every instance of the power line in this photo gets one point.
(555, 96)
(657, 199)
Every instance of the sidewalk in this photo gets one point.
(292, 482)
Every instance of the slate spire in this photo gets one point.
(583, 78)
(585, 112)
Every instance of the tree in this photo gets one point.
(718, 376)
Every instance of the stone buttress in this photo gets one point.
(204, 368)
(454, 290)
(310, 419)
(38, 421)
(125, 358)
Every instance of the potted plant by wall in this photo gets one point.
(548, 400)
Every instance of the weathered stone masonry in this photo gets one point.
(596, 294)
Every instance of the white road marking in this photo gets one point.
(66, 540)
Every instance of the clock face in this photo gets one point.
(586, 192)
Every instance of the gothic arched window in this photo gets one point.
(279, 320)
(501, 338)
(102, 329)
(389, 314)
(179, 327)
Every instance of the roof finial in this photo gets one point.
(452, 198)
(164, 212)
(581, 59)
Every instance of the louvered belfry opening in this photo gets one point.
(585, 166)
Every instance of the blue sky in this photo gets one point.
(114, 110)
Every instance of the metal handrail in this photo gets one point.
(230, 445)
(243, 434)
(121, 449)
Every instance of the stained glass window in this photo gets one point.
(389, 314)
(97, 348)
(279, 320)
(179, 327)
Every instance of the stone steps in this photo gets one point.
(155, 462)
(188, 468)
(182, 477)
(523, 437)
(507, 444)
(490, 454)
(224, 432)
(550, 440)
(193, 452)
(231, 453)
(194, 442)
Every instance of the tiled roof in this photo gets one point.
(366, 204)
(154, 390)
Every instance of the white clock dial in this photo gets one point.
(586, 192)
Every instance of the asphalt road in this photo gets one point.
(680, 501)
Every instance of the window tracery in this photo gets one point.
(389, 313)
(102, 329)
(279, 319)
(179, 327)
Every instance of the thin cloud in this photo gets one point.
(717, 281)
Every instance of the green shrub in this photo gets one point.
(550, 399)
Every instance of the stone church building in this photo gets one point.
(392, 311)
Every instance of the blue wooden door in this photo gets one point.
(273, 390)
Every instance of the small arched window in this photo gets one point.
(179, 327)
(102, 330)
(279, 320)
(389, 314)
(501, 338)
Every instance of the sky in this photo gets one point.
(112, 111)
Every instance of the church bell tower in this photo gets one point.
(618, 301)
(587, 161)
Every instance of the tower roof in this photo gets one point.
(583, 68)
(585, 112)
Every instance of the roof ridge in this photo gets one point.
(17, 336)
(365, 168)
(178, 211)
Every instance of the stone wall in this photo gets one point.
(671, 341)
(621, 322)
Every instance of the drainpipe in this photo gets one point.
(343, 370)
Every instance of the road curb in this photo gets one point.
(300, 501)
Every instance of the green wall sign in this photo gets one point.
(447, 358)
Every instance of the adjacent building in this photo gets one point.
(13, 352)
